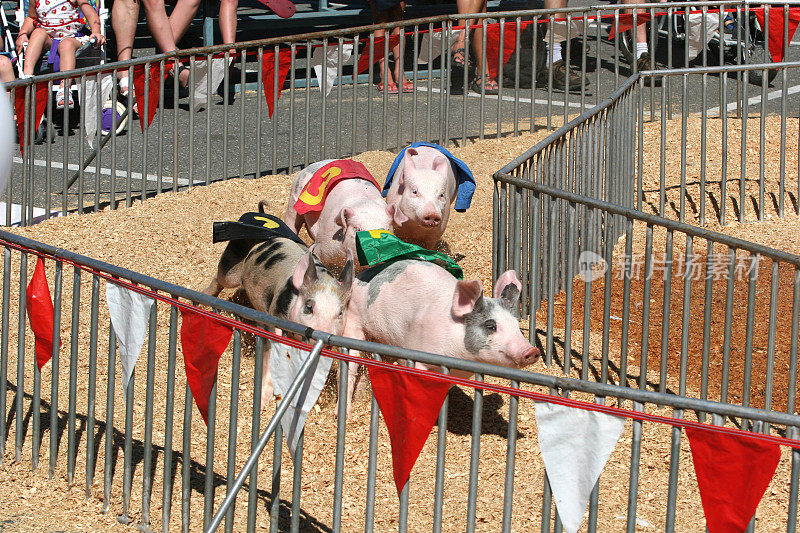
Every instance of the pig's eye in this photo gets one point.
(441, 196)
(490, 326)
(414, 192)
(309, 307)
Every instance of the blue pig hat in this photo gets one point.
(465, 182)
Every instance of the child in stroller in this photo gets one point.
(57, 20)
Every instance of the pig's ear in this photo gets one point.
(396, 214)
(305, 273)
(346, 277)
(440, 165)
(344, 215)
(408, 163)
(467, 294)
(508, 288)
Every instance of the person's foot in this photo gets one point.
(486, 84)
(460, 57)
(644, 63)
(391, 87)
(565, 78)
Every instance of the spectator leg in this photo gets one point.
(227, 20)
(641, 29)
(159, 25)
(476, 36)
(379, 17)
(66, 52)
(124, 18)
(181, 17)
(554, 55)
(6, 70)
(36, 42)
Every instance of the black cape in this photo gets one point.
(254, 226)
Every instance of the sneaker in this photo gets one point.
(643, 63)
(564, 77)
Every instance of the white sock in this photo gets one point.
(555, 53)
(641, 48)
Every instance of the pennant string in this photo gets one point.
(482, 385)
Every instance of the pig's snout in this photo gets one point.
(431, 218)
(528, 357)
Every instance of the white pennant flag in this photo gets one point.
(575, 445)
(284, 363)
(129, 313)
(695, 38)
(201, 88)
(331, 64)
(90, 119)
(431, 45)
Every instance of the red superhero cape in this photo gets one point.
(316, 190)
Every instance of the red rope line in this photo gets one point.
(426, 374)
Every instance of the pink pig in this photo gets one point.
(352, 205)
(420, 306)
(423, 187)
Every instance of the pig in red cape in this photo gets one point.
(423, 181)
(420, 306)
(335, 199)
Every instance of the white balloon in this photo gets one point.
(6, 138)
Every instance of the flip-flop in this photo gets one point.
(408, 86)
(390, 88)
(283, 8)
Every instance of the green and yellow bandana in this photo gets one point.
(381, 246)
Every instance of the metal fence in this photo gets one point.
(339, 478)
(605, 262)
(210, 136)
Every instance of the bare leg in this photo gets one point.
(227, 20)
(36, 43)
(66, 52)
(124, 17)
(641, 29)
(6, 70)
(159, 25)
(379, 17)
(181, 17)
(476, 32)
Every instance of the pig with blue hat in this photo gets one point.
(424, 180)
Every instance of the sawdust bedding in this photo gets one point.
(145, 238)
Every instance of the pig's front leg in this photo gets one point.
(266, 375)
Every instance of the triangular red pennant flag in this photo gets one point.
(776, 28)
(732, 473)
(379, 50)
(268, 74)
(626, 22)
(19, 110)
(153, 94)
(203, 340)
(40, 314)
(493, 46)
(410, 405)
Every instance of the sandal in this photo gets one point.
(485, 83)
(391, 88)
(62, 97)
(408, 86)
(460, 57)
